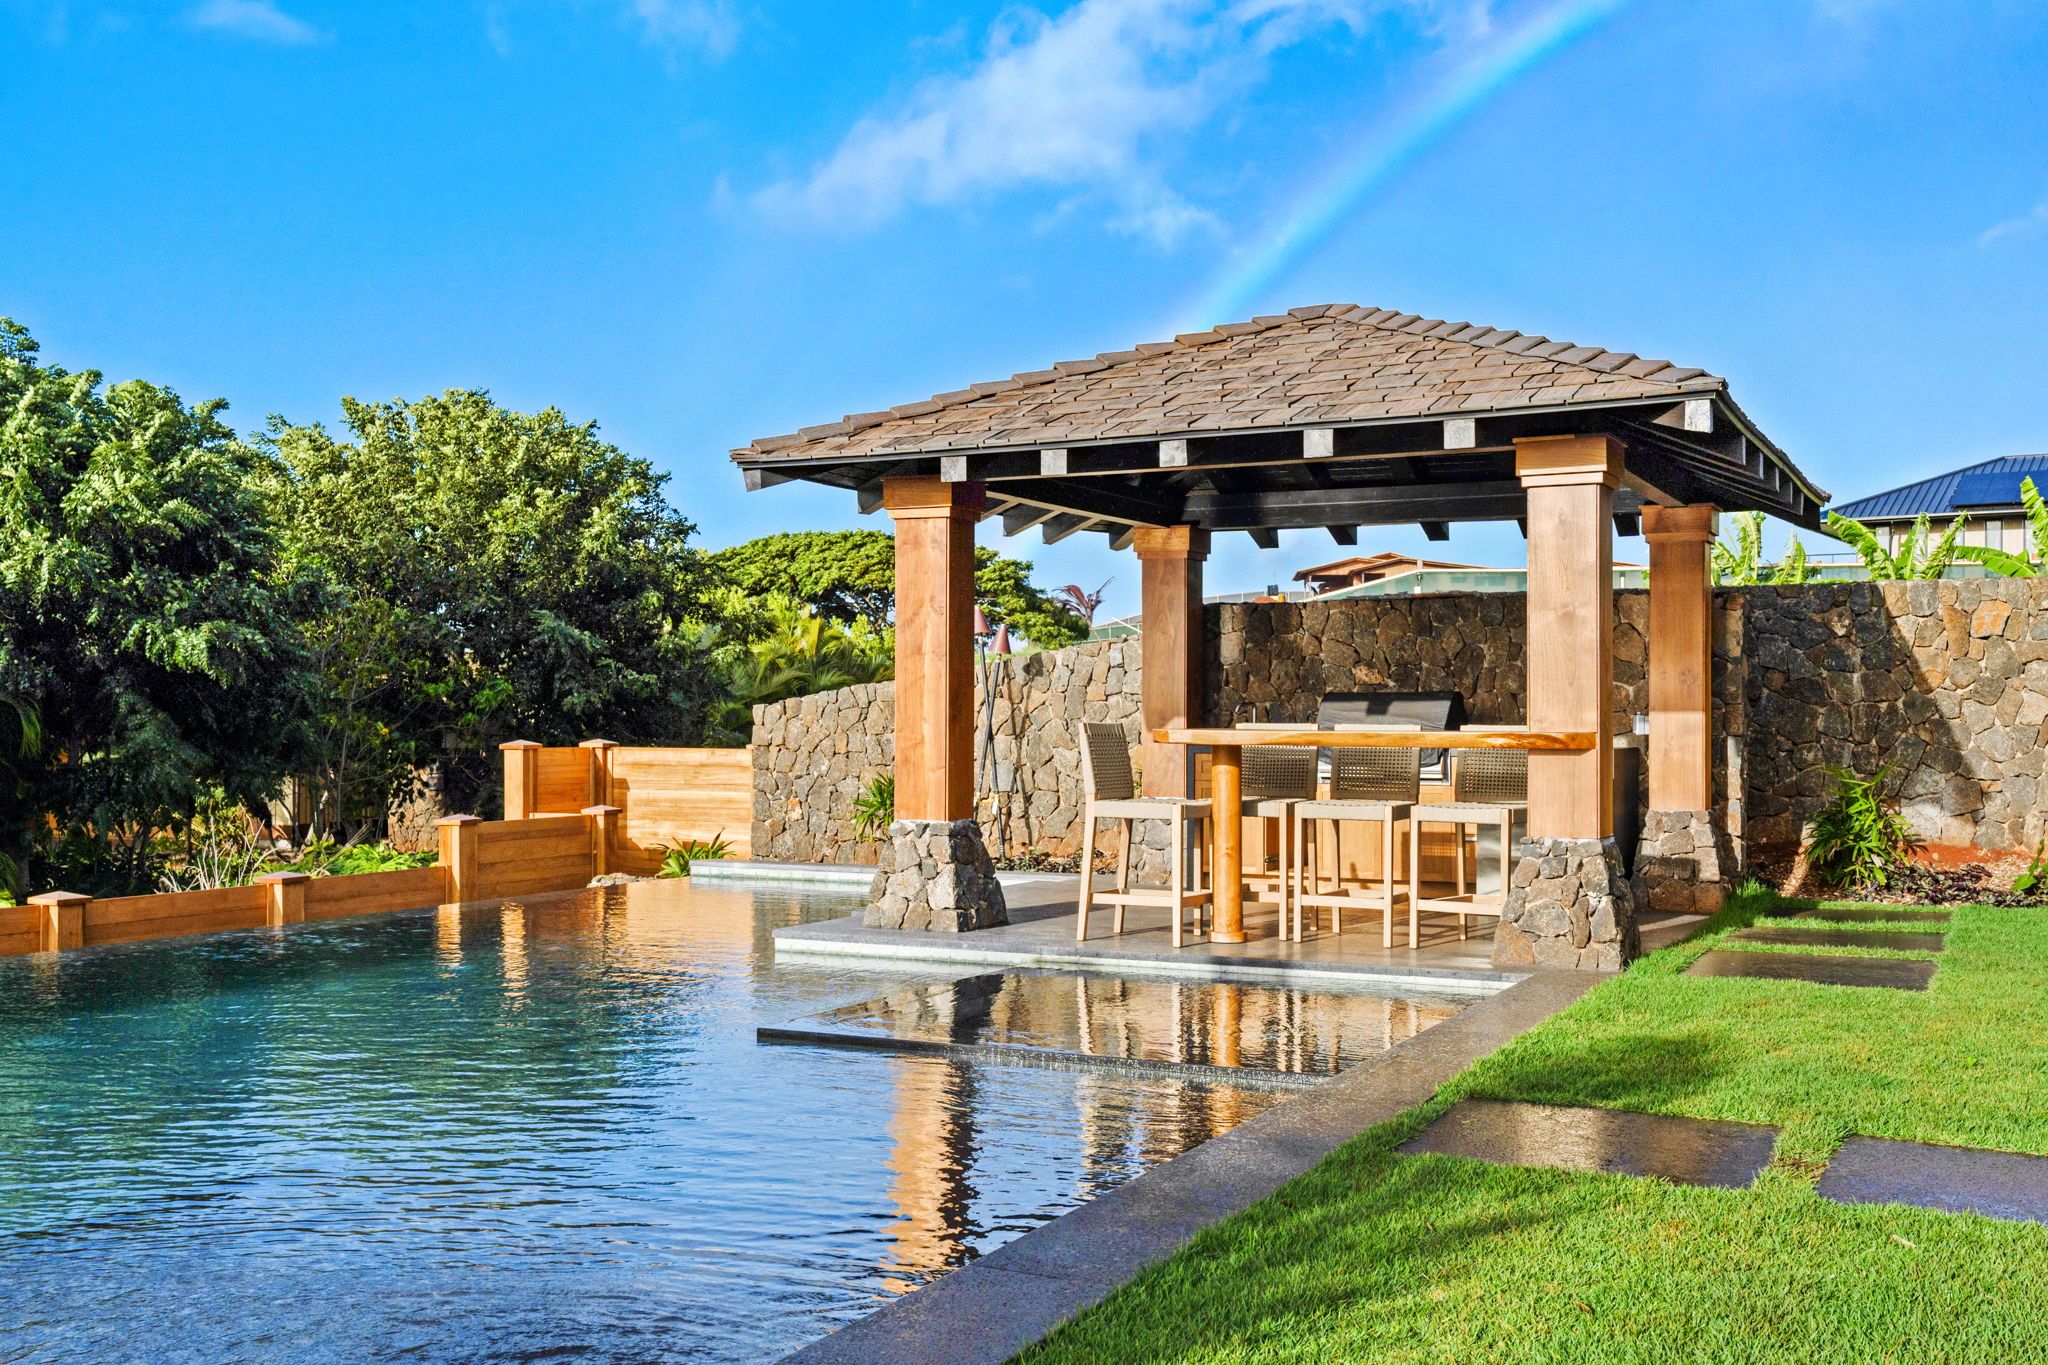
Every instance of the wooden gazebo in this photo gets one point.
(1337, 417)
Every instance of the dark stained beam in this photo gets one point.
(1098, 501)
(1343, 535)
(1060, 527)
(1628, 523)
(758, 479)
(1020, 517)
(1492, 500)
(1437, 530)
(1265, 537)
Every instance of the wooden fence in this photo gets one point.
(571, 814)
(666, 798)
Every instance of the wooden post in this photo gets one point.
(458, 858)
(1170, 633)
(62, 919)
(600, 770)
(604, 834)
(1571, 482)
(522, 778)
(1681, 656)
(934, 645)
(285, 897)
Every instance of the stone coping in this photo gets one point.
(851, 876)
(987, 1311)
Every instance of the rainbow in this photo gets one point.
(1388, 147)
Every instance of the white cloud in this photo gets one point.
(260, 20)
(707, 24)
(1080, 101)
(2026, 225)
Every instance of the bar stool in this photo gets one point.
(1272, 779)
(1488, 787)
(1110, 792)
(1368, 786)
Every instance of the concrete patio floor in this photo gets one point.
(1041, 934)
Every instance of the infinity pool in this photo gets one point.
(532, 1132)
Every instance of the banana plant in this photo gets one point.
(1740, 564)
(2004, 561)
(1914, 558)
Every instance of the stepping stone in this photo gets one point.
(1899, 973)
(1870, 916)
(1953, 1179)
(1684, 1151)
(1819, 936)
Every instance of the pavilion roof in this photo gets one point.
(1332, 380)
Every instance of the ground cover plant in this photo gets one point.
(1378, 1256)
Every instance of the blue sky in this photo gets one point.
(701, 221)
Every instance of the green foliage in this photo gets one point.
(851, 575)
(874, 810)
(216, 847)
(1740, 563)
(773, 648)
(675, 862)
(326, 858)
(139, 620)
(2035, 878)
(2004, 561)
(1917, 556)
(470, 573)
(1857, 842)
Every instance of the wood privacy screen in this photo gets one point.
(666, 798)
(480, 861)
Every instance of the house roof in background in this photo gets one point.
(1359, 563)
(1991, 484)
(1314, 366)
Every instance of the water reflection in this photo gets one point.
(1225, 1025)
(529, 1131)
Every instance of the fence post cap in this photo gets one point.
(604, 810)
(58, 898)
(459, 820)
(521, 744)
(598, 744)
(284, 878)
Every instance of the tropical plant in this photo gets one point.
(139, 620)
(1916, 556)
(1740, 563)
(851, 575)
(216, 848)
(1080, 601)
(2004, 561)
(874, 809)
(1858, 841)
(326, 858)
(2035, 878)
(675, 861)
(774, 648)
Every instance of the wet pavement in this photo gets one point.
(1897, 973)
(1953, 1179)
(1819, 936)
(1684, 1151)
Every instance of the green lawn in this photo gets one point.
(1373, 1256)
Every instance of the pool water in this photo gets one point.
(533, 1132)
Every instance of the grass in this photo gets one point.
(1376, 1256)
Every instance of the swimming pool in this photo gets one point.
(532, 1131)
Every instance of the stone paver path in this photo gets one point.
(1684, 1151)
(1873, 915)
(1953, 1179)
(1898, 973)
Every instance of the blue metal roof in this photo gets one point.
(1994, 483)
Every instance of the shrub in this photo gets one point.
(874, 810)
(1857, 841)
(675, 862)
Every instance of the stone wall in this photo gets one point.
(1947, 682)
(812, 755)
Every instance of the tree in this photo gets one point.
(139, 620)
(851, 575)
(1740, 564)
(471, 574)
(783, 648)
(1916, 556)
(2004, 561)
